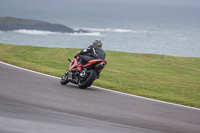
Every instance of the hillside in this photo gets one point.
(10, 24)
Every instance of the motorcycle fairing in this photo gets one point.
(94, 61)
(73, 64)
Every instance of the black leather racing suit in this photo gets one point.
(94, 52)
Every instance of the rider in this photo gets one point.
(94, 51)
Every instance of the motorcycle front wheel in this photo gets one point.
(64, 80)
(87, 81)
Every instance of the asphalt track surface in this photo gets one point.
(37, 103)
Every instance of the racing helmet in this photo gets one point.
(97, 43)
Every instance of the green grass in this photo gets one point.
(167, 78)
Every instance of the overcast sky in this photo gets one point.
(154, 2)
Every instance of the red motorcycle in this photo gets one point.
(85, 77)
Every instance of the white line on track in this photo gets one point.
(104, 88)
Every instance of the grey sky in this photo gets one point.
(146, 2)
(152, 2)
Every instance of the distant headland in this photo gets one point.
(11, 23)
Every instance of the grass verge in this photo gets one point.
(166, 78)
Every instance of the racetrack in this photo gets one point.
(36, 103)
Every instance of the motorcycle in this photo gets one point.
(84, 78)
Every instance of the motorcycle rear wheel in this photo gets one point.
(88, 80)
(64, 80)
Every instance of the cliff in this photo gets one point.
(10, 24)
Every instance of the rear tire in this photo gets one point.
(64, 80)
(88, 80)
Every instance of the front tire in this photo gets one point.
(91, 75)
(64, 80)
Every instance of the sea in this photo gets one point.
(166, 27)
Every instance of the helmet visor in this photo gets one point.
(98, 43)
